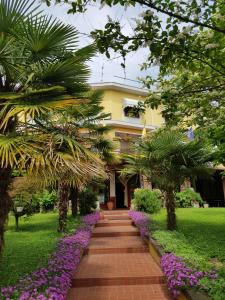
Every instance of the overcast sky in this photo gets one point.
(102, 68)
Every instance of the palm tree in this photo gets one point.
(41, 71)
(166, 158)
(81, 124)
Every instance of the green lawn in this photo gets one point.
(200, 239)
(202, 229)
(29, 248)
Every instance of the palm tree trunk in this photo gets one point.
(63, 206)
(170, 206)
(74, 200)
(5, 201)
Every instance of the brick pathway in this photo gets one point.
(117, 265)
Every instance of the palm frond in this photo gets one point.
(65, 72)
(34, 104)
(46, 38)
(12, 12)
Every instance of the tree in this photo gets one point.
(41, 71)
(186, 40)
(166, 158)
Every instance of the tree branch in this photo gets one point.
(179, 17)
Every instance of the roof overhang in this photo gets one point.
(124, 124)
(120, 87)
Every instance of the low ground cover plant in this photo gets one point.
(54, 280)
(181, 276)
(141, 220)
(200, 241)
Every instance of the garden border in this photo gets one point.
(157, 251)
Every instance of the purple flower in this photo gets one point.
(54, 281)
(180, 276)
(141, 220)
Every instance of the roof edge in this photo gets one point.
(120, 87)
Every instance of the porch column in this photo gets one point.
(186, 184)
(125, 195)
(145, 183)
(112, 187)
(224, 188)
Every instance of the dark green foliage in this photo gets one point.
(87, 201)
(186, 198)
(146, 200)
(46, 199)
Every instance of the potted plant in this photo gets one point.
(102, 217)
(205, 204)
(110, 205)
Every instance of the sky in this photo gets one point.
(103, 69)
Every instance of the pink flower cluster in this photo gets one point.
(54, 281)
(91, 219)
(141, 220)
(180, 276)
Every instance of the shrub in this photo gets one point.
(46, 199)
(187, 197)
(87, 201)
(146, 200)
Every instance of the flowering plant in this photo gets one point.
(141, 220)
(180, 276)
(54, 281)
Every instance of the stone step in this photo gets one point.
(122, 244)
(118, 269)
(121, 292)
(106, 223)
(117, 217)
(115, 250)
(116, 212)
(115, 234)
(114, 231)
(87, 282)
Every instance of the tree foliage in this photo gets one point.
(166, 158)
(186, 40)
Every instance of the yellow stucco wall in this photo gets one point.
(113, 103)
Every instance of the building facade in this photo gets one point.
(127, 125)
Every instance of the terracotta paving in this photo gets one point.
(117, 265)
(124, 244)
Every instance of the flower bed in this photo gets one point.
(54, 281)
(180, 276)
(141, 220)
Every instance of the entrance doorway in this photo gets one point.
(119, 193)
(211, 189)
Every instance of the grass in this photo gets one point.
(201, 229)
(199, 238)
(30, 246)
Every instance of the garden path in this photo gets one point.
(117, 265)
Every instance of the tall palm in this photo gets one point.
(81, 124)
(41, 71)
(167, 158)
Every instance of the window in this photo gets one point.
(132, 112)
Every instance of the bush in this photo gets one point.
(146, 200)
(46, 199)
(187, 197)
(87, 201)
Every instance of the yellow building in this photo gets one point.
(127, 125)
